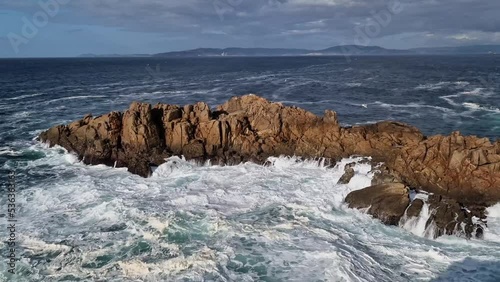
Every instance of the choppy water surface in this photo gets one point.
(283, 222)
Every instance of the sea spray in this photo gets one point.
(418, 225)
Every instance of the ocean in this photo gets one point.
(190, 222)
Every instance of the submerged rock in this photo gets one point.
(444, 216)
(449, 217)
(348, 174)
(415, 208)
(114, 228)
(386, 202)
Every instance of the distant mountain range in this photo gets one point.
(90, 55)
(356, 50)
(337, 50)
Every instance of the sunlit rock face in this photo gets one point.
(251, 128)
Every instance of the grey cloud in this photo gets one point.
(297, 20)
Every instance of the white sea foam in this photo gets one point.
(472, 106)
(431, 86)
(442, 84)
(418, 225)
(74, 98)
(26, 96)
(493, 230)
(257, 77)
(37, 246)
(354, 84)
(413, 105)
(448, 98)
(8, 151)
(476, 92)
(286, 221)
(461, 83)
(20, 115)
(477, 107)
(453, 100)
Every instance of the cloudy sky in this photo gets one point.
(41, 28)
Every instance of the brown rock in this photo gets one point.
(348, 174)
(386, 202)
(382, 174)
(211, 135)
(202, 112)
(465, 168)
(452, 218)
(140, 133)
(251, 128)
(194, 150)
(177, 135)
(415, 208)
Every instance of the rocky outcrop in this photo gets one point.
(392, 204)
(250, 128)
(244, 128)
(387, 202)
(460, 167)
(449, 217)
(445, 216)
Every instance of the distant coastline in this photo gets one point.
(342, 50)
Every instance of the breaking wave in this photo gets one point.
(284, 221)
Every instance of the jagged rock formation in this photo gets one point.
(391, 204)
(463, 168)
(445, 216)
(451, 217)
(244, 128)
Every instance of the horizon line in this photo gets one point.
(146, 55)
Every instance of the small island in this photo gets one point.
(461, 174)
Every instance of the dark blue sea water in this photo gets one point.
(437, 94)
(285, 222)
